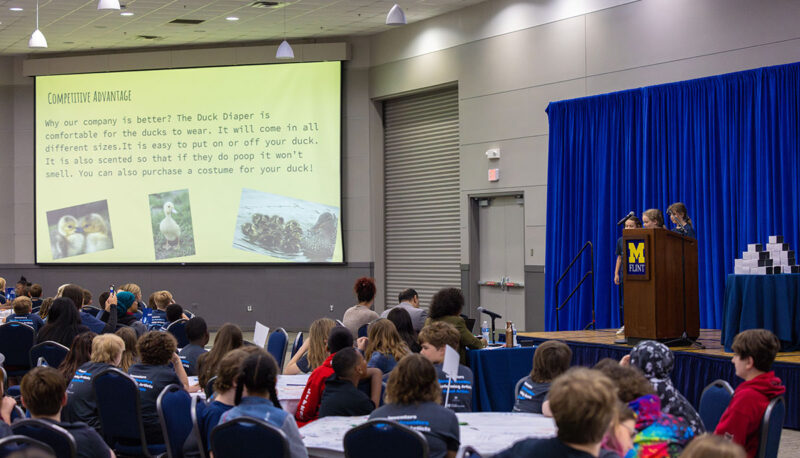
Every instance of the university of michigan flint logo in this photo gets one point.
(636, 257)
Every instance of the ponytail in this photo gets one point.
(273, 396)
(239, 388)
(258, 373)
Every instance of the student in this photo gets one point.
(63, 323)
(308, 406)
(384, 347)
(87, 298)
(161, 299)
(44, 310)
(2, 290)
(402, 321)
(36, 295)
(157, 350)
(754, 351)
(22, 313)
(712, 446)
(412, 399)
(259, 374)
(361, 313)
(130, 355)
(81, 401)
(7, 404)
(314, 349)
(584, 404)
(655, 360)
(44, 394)
(79, 353)
(434, 339)
(680, 218)
(619, 438)
(174, 312)
(631, 223)
(652, 218)
(341, 397)
(197, 333)
(551, 359)
(446, 305)
(76, 293)
(229, 337)
(121, 307)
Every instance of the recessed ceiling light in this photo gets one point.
(231, 18)
(126, 13)
(15, 8)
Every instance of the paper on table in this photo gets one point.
(260, 335)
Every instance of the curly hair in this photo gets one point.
(413, 381)
(446, 302)
(156, 347)
(364, 289)
(438, 334)
(383, 337)
(631, 383)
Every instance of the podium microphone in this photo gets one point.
(489, 312)
(622, 221)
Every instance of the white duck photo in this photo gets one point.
(171, 218)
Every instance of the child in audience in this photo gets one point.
(79, 353)
(619, 438)
(174, 312)
(81, 402)
(130, 355)
(77, 295)
(161, 299)
(402, 321)
(712, 446)
(22, 313)
(87, 298)
(754, 351)
(435, 338)
(412, 396)
(197, 332)
(341, 397)
(36, 295)
(551, 359)
(584, 404)
(229, 337)
(314, 349)
(384, 347)
(157, 350)
(259, 374)
(63, 323)
(361, 313)
(44, 394)
(7, 404)
(44, 310)
(124, 310)
(655, 360)
(3, 290)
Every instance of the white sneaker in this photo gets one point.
(621, 330)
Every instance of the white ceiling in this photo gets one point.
(77, 25)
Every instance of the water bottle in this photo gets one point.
(514, 332)
(485, 331)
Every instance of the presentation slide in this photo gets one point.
(203, 165)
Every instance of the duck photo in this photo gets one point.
(95, 229)
(79, 229)
(171, 218)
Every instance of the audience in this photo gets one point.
(3, 290)
(197, 333)
(44, 394)
(76, 294)
(583, 403)
(22, 307)
(754, 351)
(173, 313)
(79, 353)
(121, 307)
(446, 306)
(81, 401)
(229, 337)
(435, 338)
(44, 309)
(7, 405)
(413, 399)
(711, 446)
(258, 375)
(87, 298)
(130, 355)
(550, 359)
(63, 323)
(409, 301)
(314, 350)
(384, 347)
(361, 313)
(619, 438)
(402, 321)
(161, 299)
(36, 295)
(341, 397)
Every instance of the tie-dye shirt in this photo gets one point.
(660, 435)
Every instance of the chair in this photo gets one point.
(55, 436)
(5, 381)
(277, 343)
(771, 426)
(362, 331)
(173, 406)
(178, 329)
(713, 402)
(16, 340)
(246, 437)
(17, 412)
(52, 352)
(340, 323)
(298, 342)
(196, 410)
(517, 387)
(209, 389)
(467, 451)
(16, 443)
(384, 438)
(120, 411)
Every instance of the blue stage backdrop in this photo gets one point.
(726, 146)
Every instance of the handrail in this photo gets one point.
(585, 275)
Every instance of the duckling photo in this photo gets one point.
(80, 229)
(171, 217)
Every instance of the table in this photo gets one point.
(487, 432)
(496, 372)
(762, 301)
(289, 388)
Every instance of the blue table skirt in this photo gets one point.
(495, 373)
(762, 301)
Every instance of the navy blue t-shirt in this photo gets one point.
(551, 448)
(189, 356)
(437, 424)
(159, 319)
(151, 381)
(31, 319)
(460, 397)
(90, 444)
(81, 400)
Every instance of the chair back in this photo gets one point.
(196, 411)
(16, 341)
(245, 437)
(277, 343)
(384, 438)
(178, 329)
(517, 387)
(17, 443)
(173, 406)
(467, 451)
(58, 438)
(17, 413)
(362, 331)
(771, 428)
(52, 352)
(298, 342)
(209, 388)
(713, 402)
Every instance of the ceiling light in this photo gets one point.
(285, 50)
(231, 18)
(126, 13)
(108, 5)
(37, 37)
(15, 8)
(396, 16)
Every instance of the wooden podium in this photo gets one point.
(660, 285)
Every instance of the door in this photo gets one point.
(501, 251)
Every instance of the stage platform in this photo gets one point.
(694, 368)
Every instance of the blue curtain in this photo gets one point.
(726, 146)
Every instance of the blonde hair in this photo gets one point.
(654, 214)
(318, 342)
(106, 348)
(44, 309)
(584, 402)
(60, 290)
(382, 336)
(162, 299)
(3, 285)
(132, 288)
(22, 305)
(710, 445)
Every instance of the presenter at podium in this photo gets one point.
(652, 218)
(680, 218)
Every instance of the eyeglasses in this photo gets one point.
(632, 431)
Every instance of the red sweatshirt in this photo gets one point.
(308, 408)
(742, 419)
